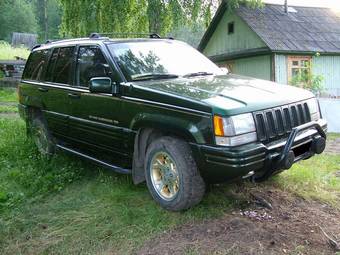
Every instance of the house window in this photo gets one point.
(229, 65)
(230, 28)
(298, 66)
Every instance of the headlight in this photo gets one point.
(313, 109)
(235, 130)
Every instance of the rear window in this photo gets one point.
(60, 66)
(36, 65)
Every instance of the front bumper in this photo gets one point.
(220, 164)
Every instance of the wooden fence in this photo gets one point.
(26, 39)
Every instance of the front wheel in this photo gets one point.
(171, 174)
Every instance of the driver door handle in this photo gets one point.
(74, 95)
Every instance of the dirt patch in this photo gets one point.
(9, 115)
(9, 103)
(333, 146)
(291, 227)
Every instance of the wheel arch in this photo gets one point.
(146, 133)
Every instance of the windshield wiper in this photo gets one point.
(197, 74)
(153, 76)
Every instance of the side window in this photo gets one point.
(60, 66)
(36, 65)
(51, 64)
(63, 67)
(91, 63)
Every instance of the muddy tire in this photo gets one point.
(171, 174)
(41, 136)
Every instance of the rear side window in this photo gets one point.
(60, 66)
(36, 65)
(91, 63)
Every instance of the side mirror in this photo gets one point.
(101, 85)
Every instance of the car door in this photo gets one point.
(96, 117)
(56, 88)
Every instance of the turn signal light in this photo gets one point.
(218, 126)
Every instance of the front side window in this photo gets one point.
(36, 65)
(91, 63)
(163, 59)
(60, 65)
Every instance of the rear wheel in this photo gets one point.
(42, 137)
(171, 174)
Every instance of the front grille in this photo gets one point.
(276, 123)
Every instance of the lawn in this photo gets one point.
(65, 205)
(7, 52)
(8, 100)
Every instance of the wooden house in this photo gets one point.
(276, 42)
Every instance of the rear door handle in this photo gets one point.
(74, 95)
(41, 89)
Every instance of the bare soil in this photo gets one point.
(9, 115)
(333, 146)
(292, 226)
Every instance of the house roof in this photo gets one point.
(309, 29)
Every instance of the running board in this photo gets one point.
(100, 162)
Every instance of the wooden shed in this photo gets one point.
(275, 43)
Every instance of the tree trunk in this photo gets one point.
(45, 20)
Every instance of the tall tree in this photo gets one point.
(48, 14)
(80, 17)
(16, 16)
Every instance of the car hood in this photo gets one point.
(231, 93)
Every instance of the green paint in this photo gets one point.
(329, 68)
(257, 67)
(243, 37)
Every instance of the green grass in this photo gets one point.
(8, 109)
(7, 52)
(65, 205)
(314, 179)
(8, 95)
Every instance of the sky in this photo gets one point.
(324, 3)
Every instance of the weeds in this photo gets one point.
(7, 52)
(8, 95)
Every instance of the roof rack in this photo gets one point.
(35, 46)
(124, 35)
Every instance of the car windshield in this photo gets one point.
(147, 60)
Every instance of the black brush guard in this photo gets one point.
(277, 163)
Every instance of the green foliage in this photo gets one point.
(8, 108)
(7, 52)
(80, 18)
(314, 179)
(16, 16)
(307, 80)
(8, 95)
(24, 173)
(50, 20)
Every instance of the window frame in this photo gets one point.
(290, 65)
(231, 24)
(111, 75)
(46, 59)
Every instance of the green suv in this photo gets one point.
(161, 111)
